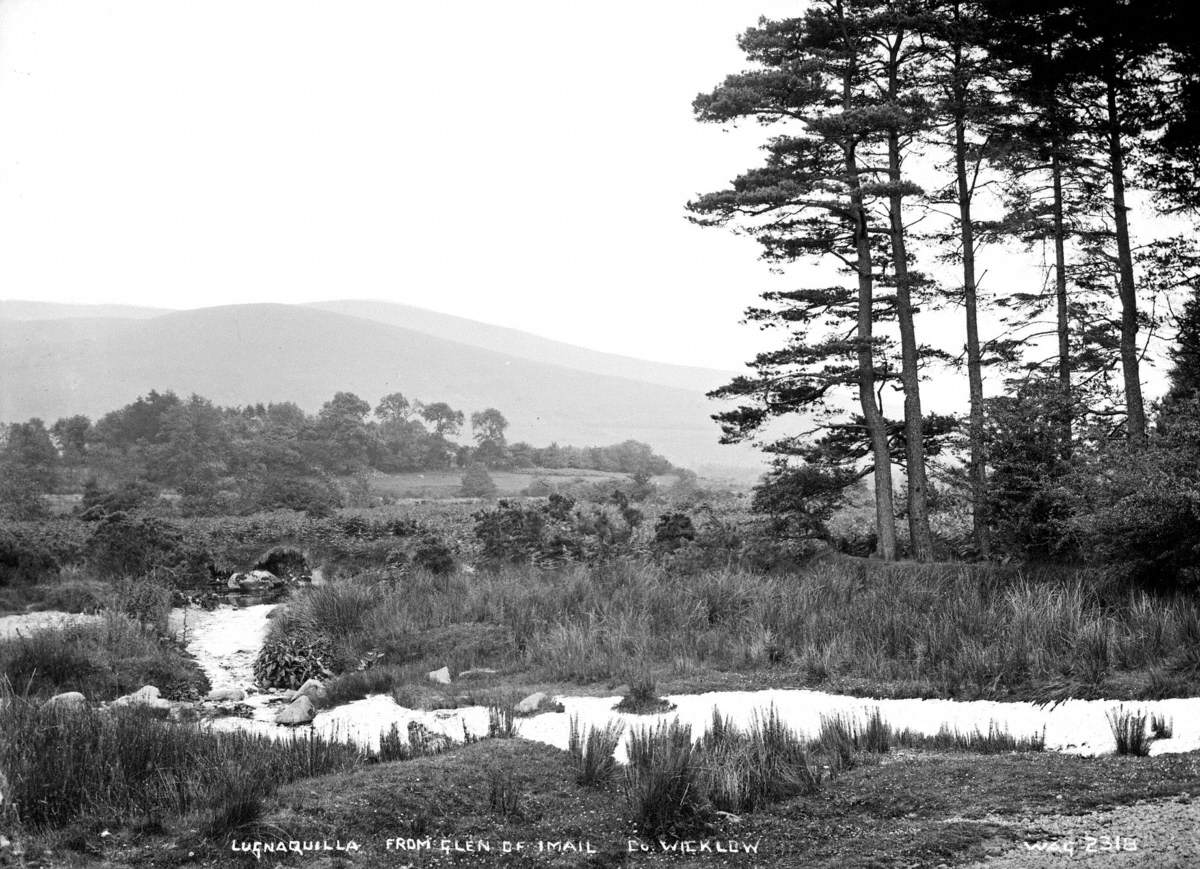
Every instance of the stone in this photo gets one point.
(67, 699)
(254, 580)
(147, 697)
(476, 673)
(442, 676)
(299, 711)
(226, 695)
(531, 703)
(313, 690)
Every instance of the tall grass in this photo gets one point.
(103, 660)
(941, 629)
(121, 766)
(1129, 731)
(676, 786)
(592, 752)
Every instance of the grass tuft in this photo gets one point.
(593, 752)
(1129, 731)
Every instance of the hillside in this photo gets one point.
(524, 345)
(250, 353)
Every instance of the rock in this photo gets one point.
(226, 695)
(254, 580)
(442, 676)
(476, 673)
(146, 697)
(299, 711)
(531, 703)
(313, 690)
(66, 700)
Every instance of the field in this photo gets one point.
(589, 599)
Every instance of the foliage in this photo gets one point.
(124, 546)
(477, 482)
(104, 660)
(291, 660)
(592, 750)
(1129, 731)
(23, 559)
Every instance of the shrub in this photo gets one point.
(23, 561)
(433, 555)
(122, 546)
(593, 753)
(477, 482)
(672, 530)
(291, 660)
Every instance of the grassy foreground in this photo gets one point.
(917, 809)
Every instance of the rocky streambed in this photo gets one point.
(226, 640)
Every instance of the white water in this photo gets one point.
(226, 640)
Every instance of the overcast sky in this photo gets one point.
(522, 162)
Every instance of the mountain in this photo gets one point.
(249, 353)
(525, 345)
(25, 310)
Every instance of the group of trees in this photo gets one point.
(915, 139)
(273, 455)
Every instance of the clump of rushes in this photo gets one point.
(997, 740)
(1129, 731)
(642, 699)
(1161, 726)
(502, 720)
(592, 752)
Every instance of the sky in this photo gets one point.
(524, 163)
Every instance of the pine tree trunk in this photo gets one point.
(978, 459)
(1065, 421)
(1134, 408)
(910, 377)
(885, 513)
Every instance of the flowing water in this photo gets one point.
(226, 640)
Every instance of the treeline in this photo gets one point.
(988, 157)
(264, 456)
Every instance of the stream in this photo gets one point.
(226, 640)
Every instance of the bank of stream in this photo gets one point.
(225, 641)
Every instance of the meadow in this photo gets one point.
(660, 595)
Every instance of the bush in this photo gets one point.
(433, 555)
(24, 561)
(122, 546)
(290, 661)
(477, 482)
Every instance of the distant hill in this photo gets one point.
(525, 345)
(249, 353)
(23, 310)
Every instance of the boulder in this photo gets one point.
(146, 697)
(531, 703)
(226, 695)
(313, 690)
(299, 711)
(66, 700)
(442, 676)
(254, 580)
